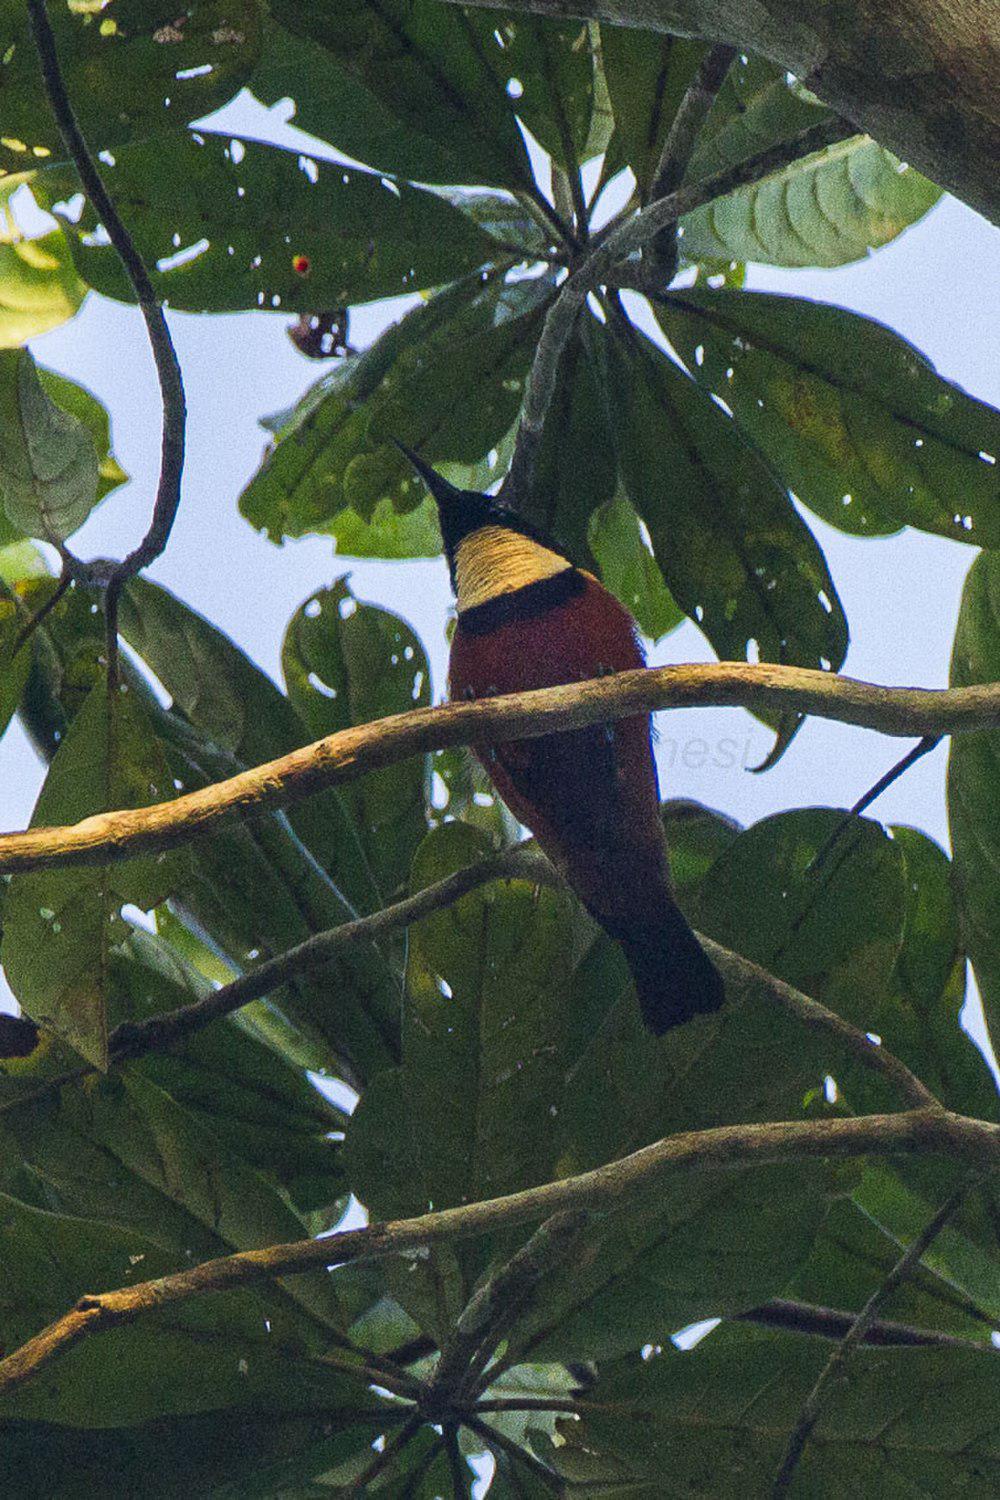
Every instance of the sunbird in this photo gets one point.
(528, 618)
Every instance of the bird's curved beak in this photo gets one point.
(439, 487)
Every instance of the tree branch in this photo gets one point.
(117, 835)
(834, 1323)
(605, 263)
(114, 576)
(855, 1335)
(700, 95)
(603, 1190)
(918, 75)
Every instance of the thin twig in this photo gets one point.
(30, 625)
(340, 757)
(384, 1458)
(925, 746)
(158, 1033)
(604, 1189)
(679, 145)
(167, 367)
(855, 1335)
(491, 1309)
(833, 1323)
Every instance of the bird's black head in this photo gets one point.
(464, 511)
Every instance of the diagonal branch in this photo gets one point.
(833, 1323)
(117, 835)
(856, 1334)
(602, 1190)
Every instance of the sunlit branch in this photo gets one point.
(603, 1190)
(341, 757)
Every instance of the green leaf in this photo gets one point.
(629, 569)
(731, 547)
(647, 75)
(387, 533)
(61, 925)
(127, 74)
(14, 664)
(228, 1455)
(201, 210)
(447, 380)
(834, 928)
(974, 787)
(350, 663)
(551, 71)
(827, 209)
(39, 287)
(757, 107)
(81, 403)
(853, 418)
(717, 1418)
(49, 479)
(441, 75)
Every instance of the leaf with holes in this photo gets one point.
(49, 479)
(734, 553)
(827, 209)
(348, 663)
(550, 82)
(974, 787)
(61, 925)
(131, 74)
(201, 211)
(853, 418)
(647, 75)
(439, 74)
(629, 569)
(447, 379)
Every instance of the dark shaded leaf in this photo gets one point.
(441, 75)
(124, 72)
(348, 663)
(974, 787)
(734, 554)
(447, 380)
(60, 925)
(201, 210)
(854, 419)
(647, 75)
(716, 1419)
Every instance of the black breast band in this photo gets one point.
(523, 604)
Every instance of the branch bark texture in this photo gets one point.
(350, 753)
(918, 75)
(603, 1190)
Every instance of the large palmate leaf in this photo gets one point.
(646, 76)
(524, 1059)
(442, 76)
(447, 380)
(826, 209)
(49, 480)
(129, 73)
(39, 288)
(202, 212)
(734, 553)
(974, 787)
(717, 1418)
(61, 925)
(757, 106)
(348, 663)
(854, 419)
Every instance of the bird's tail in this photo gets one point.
(674, 978)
